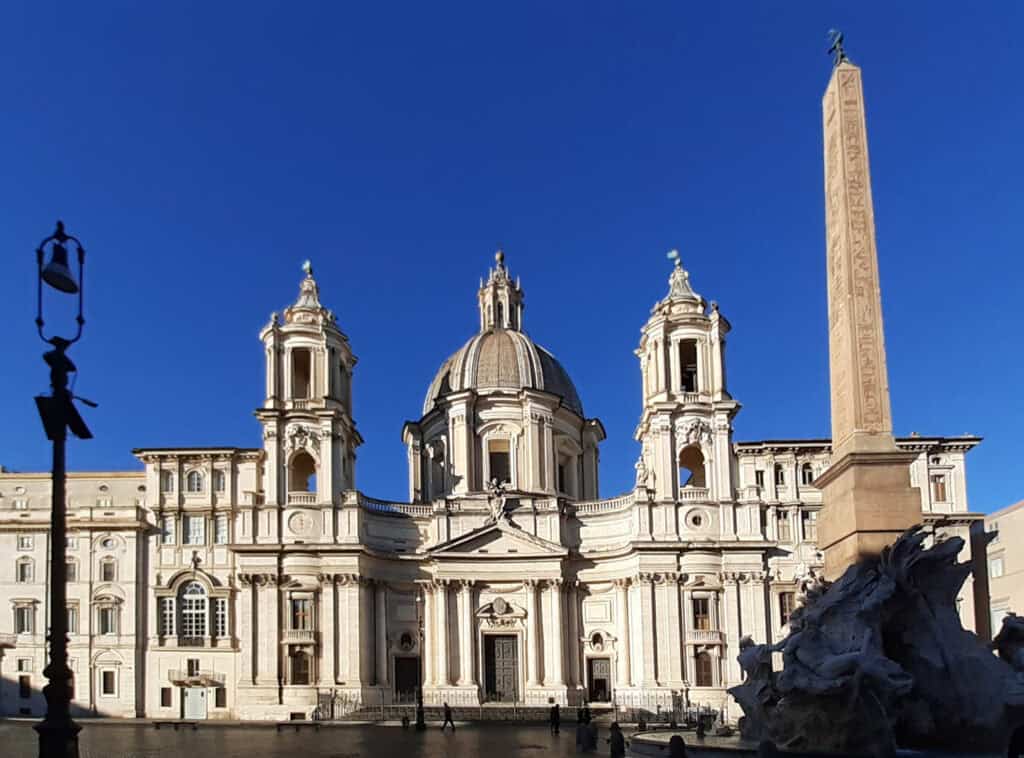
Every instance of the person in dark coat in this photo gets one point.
(555, 718)
(676, 747)
(447, 718)
(616, 742)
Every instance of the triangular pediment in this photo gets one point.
(498, 540)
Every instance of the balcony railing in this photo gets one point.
(610, 505)
(300, 636)
(704, 636)
(301, 498)
(693, 494)
(184, 641)
(394, 509)
(201, 678)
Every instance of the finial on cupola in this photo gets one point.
(307, 266)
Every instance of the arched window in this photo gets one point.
(302, 473)
(166, 481)
(780, 475)
(704, 669)
(219, 480)
(194, 482)
(691, 467)
(193, 609)
(806, 474)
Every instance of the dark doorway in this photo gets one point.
(501, 667)
(599, 677)
(407, 679)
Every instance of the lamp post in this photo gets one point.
(58, 733)
(421, 722)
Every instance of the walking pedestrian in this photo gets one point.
(616, 742)
(447, 718)
(555, 718)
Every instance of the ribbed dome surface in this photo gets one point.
(502, 359)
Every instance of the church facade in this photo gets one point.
(261, 583)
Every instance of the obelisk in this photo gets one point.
(868, 500)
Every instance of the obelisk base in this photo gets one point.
(868, 503)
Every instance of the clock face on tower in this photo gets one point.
(301, 524)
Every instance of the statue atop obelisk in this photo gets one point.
(868, 500)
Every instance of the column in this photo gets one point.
(572, 605)
(554, 676)
(759, 629)
(381, 607)
(328, 632)
(689, 667)
(366, 635)
(443, 679)
(622, 672)
(246, 614)
(428, 651)
(673, 672)
(647, 625)
(531, 633)
(731, 617)
(466, 678)
(551, 465)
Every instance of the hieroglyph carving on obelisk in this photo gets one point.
(861, 416)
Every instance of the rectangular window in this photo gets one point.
(759, 478)
(71, 567)
(24, 664)
(104, 502)
(939, 488)
(704, 667)
(702, 613)
(167, 616)
(72, 619)
(108, 682)
(167, 537)
(220, 616)
(220, 698)
(498, 460)
(165, 697)
(219, 480)
(787, 604)
(780, 476)
(195, 530)
(25, 571)
(108, 571)
(785, 527)
(995, 567)
(24, 620)
(21, 504)
(107, 620)
(166, 481)
(688, 365)
(220, 529)
(24, 687)
(25, 542)
(192, 666)
(992, 527)
(810, 522)
(302, 613)
(71, 543)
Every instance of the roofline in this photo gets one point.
(138, 474)
(1005, 511)
(220, 449)
(969, 440)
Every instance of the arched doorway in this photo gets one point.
(302, 473)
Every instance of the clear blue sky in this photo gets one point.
(203, 150)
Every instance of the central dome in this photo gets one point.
(499, 359)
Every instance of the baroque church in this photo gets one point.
(260, 583)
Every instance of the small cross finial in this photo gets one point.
(307, 266)
(835, 38)
(499, 256)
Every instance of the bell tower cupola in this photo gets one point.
(309, 433)
(501, 299)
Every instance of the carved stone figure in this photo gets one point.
(496, 500)
(879, 659)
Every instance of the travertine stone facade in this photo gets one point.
(1002, 573)
(869, 501)
(260, 583)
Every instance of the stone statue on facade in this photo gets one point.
(642, 474)
(879, 659)
(496, 501)
(835, 39)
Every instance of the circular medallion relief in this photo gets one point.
(300, 523)
(500, 606)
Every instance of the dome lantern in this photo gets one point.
(501, 299)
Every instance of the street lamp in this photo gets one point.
(421, 722)
(58, 733)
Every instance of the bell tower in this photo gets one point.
(685, 428)
(309, 435)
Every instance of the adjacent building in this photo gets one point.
(1001, 573)
(260, 582)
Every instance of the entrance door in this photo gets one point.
(501, 666)
(194, 703)
(599, 674)
(407, 679)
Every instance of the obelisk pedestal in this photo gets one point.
(868, 500)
